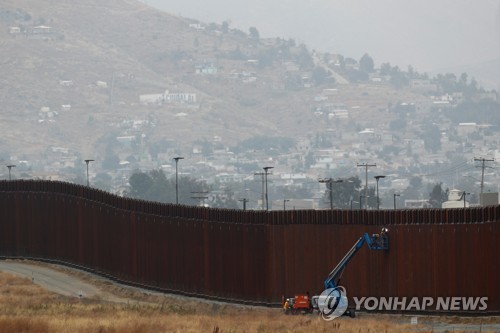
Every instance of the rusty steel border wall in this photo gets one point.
(251, 257)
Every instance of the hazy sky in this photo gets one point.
(428, 34)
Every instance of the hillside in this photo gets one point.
(98, 59)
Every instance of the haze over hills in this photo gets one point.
(431, 36)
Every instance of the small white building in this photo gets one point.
(197, 26)
(42, 29)
(455, 200)
(466, 128)
(101, 84)
(14, 30)
(151, 98)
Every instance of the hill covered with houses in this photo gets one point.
(131, 87)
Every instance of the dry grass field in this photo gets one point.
(27, 307)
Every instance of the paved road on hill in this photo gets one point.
(56, 281)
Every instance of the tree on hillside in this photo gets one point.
(398, 78)
(447, 82)
(237, 54)
(111, 160)
(267, 57)
(432, 137)
(340, 62)
(309, 159)
(354, 75)
(254, 33)
(322, 141)
(319, 75)
(293, 82)
(304, 57)
(385, 69)
(482, 111)
(225, 27)
(366, 64)
(438, 196)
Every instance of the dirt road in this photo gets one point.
(58, 282)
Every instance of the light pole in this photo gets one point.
(366, 166)
(329, 182)
(177, 178)
(284, 203)
(263, 189)
(484, 160)
(88, 161)
(10, 166)
(352, 202)
(361, 196)
(377, 178)
(244, 200)
(464, 194)
(481, 184)
(266, 172)
(395, 195)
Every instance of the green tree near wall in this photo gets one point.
(438, 196)
(155, 186)
(345, 191)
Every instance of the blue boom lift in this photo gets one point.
(374, 242)
(306, 304)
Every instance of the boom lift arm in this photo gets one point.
(308, 304)
(374, 242)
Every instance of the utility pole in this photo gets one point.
(13, 166)
(395, 195)
(377, 178)
(266, 172)
(329, 185)
(244, 200)
(88, 161)
(483, 166)
(177, 178)
(352, 202)
(262, 192)
(284, 203)
(366, 166)
(463, 195)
